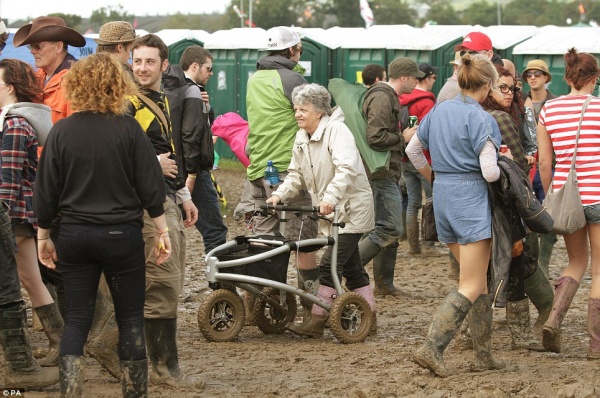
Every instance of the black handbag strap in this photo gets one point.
(584, 108)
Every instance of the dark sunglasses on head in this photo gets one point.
(536, 73)
(472, 52)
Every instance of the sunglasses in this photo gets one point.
(37, 46)
(472, 52)
(537, 73)
(301, 49)
(209, 68)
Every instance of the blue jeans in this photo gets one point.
(85, 252)
(210, 222)
(10, 287)
(415, 184)
(388, 213)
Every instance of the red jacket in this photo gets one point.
(419, 102)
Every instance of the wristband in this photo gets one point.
(192, 176)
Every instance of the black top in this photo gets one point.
(98, 169)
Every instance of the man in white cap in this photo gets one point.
(273, 129)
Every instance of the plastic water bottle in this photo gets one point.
(272, 174)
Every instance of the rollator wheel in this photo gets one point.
(221, 316)
(350, 318)
(270, 319)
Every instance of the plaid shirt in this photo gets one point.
(19, 162)
(510, 136)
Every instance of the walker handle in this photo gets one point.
(302, 209)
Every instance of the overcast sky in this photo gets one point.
(30, 9)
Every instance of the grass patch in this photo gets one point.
(231, 164)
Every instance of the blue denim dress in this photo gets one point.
(455, 132)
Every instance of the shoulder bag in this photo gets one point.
(565, 205)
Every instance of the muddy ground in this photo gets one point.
(285, 365)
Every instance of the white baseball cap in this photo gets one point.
(280, 38)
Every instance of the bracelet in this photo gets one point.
(163, 231)
(192, 176)
(43, 238)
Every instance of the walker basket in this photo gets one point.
(273, 268)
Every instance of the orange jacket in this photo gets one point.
(54, 92)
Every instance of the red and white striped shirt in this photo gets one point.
(560, 116)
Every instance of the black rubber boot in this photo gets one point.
(481, 331)
(71, 376)
(384, 265)
(519, 324)
(446, 321)
(22, 369)
(308, 280)
(52, 322)
(134, 379)
(161, 344)
(541, 294)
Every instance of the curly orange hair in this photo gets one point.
(99, 83)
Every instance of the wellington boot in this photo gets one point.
(446, 321)
(161, 344)
(71, 376)
(454, 272)
(367, 293)
(463, 340)
(593, 352)
(368, 250)
(519, 324)
(249, 299)
(384, 265)
(52, 323)
(412, 233)
(103, 347)
(481, 331)
(313, 327)
(566, 287)
(22, 369)
(404, 235)
(547, 242)
(134, 380)
(540, 292)
(308, 280)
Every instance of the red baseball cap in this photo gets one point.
(475, 41)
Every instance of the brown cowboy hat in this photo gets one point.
(47, 29)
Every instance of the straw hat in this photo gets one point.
(116, 32)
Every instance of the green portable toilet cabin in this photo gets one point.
(318, 57)
(433, 44)
(177, 40)
(506, 37)
(550, 44)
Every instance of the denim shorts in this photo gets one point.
(592, 213)
(462, 208)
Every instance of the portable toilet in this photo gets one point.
(505, 38)
(177, 40)
(550, 44)
(433, 44)
(319, 54)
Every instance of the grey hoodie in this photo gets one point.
(38, 115)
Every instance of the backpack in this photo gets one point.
(350, 98)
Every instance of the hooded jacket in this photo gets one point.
(419, 102)
(25, 125)
(329, 166)
(271, 114)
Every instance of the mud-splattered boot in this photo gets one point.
(368, 250)
(308, 280)
(367, 293)
(52, 322)
(481, 331)
(134, 379)
(547, 242)
(519, 324)
(540, 292)
(412, 234)
(566, 287)
(70, 368)
(446, 321)
(22, 370)
(593, 352)
(384, 265)
(315, 325)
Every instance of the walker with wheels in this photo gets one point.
(258, 264)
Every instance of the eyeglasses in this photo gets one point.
(209, 68)
(37, 46)
(472, 52)
(301, 49)
(537, 73)
(506, 89)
